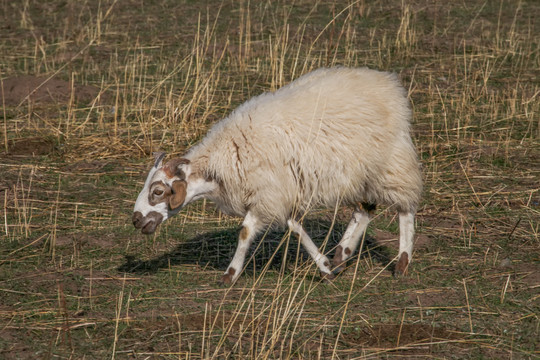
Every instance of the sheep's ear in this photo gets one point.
(171, 167)
(158, 158)
(178, 194)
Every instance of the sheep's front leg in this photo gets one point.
(321, 260)
(348, 244)
(250, 228)
(406, 237)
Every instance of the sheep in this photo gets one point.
(333, 136)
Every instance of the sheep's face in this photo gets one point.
(168, 188)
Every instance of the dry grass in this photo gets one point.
(76, 281)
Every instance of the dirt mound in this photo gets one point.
(41, 89)
(395, 335)
(31, 146)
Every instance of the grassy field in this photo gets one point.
(90, 89)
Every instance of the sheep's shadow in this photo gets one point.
(216, 249)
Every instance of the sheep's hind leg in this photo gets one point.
(250, 228)
(348, 244)
(320, 259)
(406, 238)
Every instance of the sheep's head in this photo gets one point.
(168, 188)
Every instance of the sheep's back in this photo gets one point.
(333, 135)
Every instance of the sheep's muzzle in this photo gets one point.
(148, 223)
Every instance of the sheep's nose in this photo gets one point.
(137, 219)
(150, 222)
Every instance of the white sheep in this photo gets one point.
(333, 136)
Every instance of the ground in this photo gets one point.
(90, 89)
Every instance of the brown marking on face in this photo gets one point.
(244, 233)
(159, 192)
(171, 168)
(326, 263)
(402, 265)
(178, 195)
(232, 271)
(347, 251)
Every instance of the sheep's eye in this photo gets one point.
(158, 192)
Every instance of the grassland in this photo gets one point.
(89, 89)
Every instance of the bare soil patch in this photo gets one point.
(436, 298)
(42, 89)
(31, 146)
(396, 335)
(84, 241)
